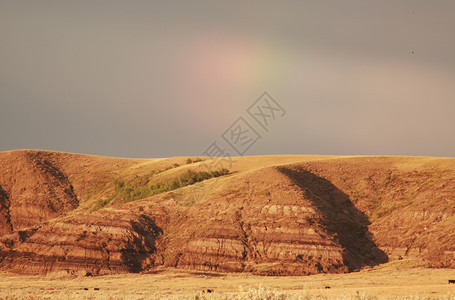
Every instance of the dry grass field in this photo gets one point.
(396, 280)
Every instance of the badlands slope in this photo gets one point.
(270, 215)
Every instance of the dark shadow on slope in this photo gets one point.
(340, 218)
(5, 217)
(58, 181)
(142, 246)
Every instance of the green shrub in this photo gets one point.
(140, 188)
(191, 161)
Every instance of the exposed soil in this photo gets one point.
(271, 215)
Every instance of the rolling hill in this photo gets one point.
(269, 215)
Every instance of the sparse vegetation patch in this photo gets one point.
(140, 188)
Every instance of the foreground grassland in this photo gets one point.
(386, 282)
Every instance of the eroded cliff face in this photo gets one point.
(265, 223)
(410, 208)
(322, 216)
(32, 191)
(108, 242)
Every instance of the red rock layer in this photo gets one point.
(274, 227)
(108, 242)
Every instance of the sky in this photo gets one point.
(171, 78)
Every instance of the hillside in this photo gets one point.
(269, 215)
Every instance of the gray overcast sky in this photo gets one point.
(167, 78)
